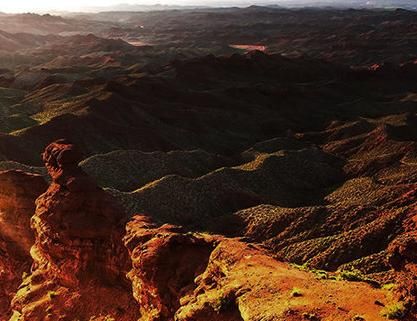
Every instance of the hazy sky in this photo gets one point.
(75, 5)
(35, 5)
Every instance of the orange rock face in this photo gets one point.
(402, 256)
(18, 192)
(165, 263)
(79, 260)
(190, 276)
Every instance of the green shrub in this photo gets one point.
(356, 276)
(52, 294)
(296, 292)
(311, 317)
(353, 275)
(388, 286)
(393, 311)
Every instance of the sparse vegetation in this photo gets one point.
(394, 311)
(311, 317)
(296, 292)
(52, 294)
(389, 286)
(355, 276)
(320, 274)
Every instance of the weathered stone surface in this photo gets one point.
(79, 260)
(18, 191)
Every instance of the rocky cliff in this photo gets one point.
(18, 191)
(79, 261)
(191, 276)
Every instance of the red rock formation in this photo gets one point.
(165, 263)
(189, 276)
(79, 259)
(18, 191)
(402, 256)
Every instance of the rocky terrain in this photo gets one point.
(153, 167)
(80, 265)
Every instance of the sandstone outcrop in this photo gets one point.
(79, 261)
(192, 276)
(18, 191)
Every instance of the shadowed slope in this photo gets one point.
(287, 178)
(131, 169)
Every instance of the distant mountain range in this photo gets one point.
(190, 4)
(405, 4)
(204, 4)
(141, 7)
